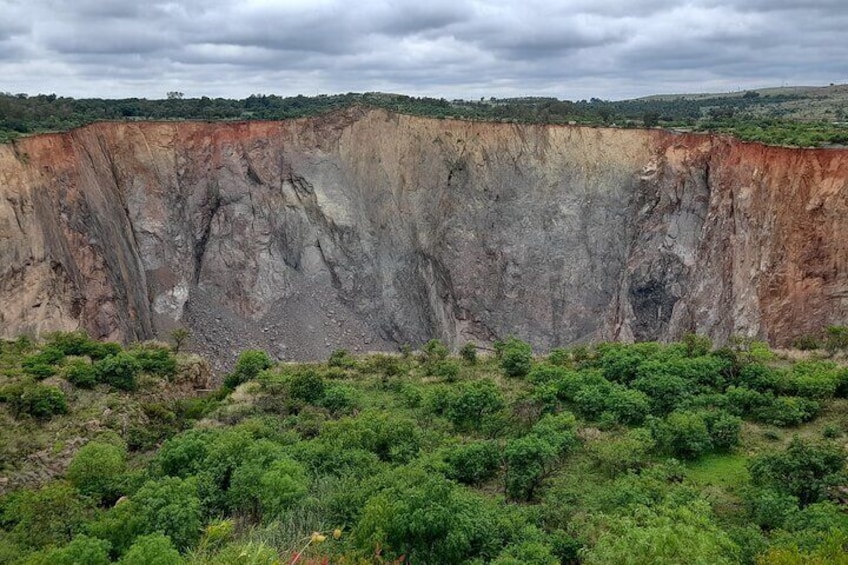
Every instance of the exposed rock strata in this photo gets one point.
(367, 229)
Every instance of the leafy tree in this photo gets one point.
(250, 363)
(684, 435)
(119, 371)
(80, 373)
(51, 515)
(667, 535)
(306, 385)
(153, 549)
(434, 350)
(768, 508)
(82, 550)
(180, 337)
(446, 369)
(341, 399)
(473, 402)
(283, 484)
(39, 401)
(97, 470)
(155, 359)
(530, 459)
(428, 519)
(665, 389)
(650, 119)
(474, 462)
(786, 410)
(185, 454)
(559, 357)
(389, 436)
(516, 357)
(804, 470)
(724, 429)
(341, 358)
(170, 506)
(629, 453)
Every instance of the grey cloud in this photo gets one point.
(451, 48)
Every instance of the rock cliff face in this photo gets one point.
(366, 229)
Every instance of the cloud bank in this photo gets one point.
(453, 48)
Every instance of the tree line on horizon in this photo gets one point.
(22, 114)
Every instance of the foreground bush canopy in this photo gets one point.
(644, 453)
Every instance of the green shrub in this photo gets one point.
(807, 343)
(769, 509)
(306, 385)
(37, 367)
(627, 406)
(787, 411)
(98, 350)
(82, 550)
(724, 429)
(530, 459)
(49, 516)
(185, 454)
(516, 357)
(590, 400)
(282, 485)
(473, 463)
(118, 371)
(545, 373)
(666, 391)
(742, 400)
(75, 343)
(170, 506)
(524, 551)
(97, 470)
(341, 358)
(36, 400)
(471, 402)
(697, 345)
(391, 437)
(668, 535)
(804, 470)
(559, 357)
(265, 482)
(386, 366)
(155, 359)
(80, 373)
(153, 549)
(446, 369)
(427, 519)
(628, 453)
(341, 399)
(836, 339)
(250, 363)
(119, 525)
(812, 379)
(684, 435)
(468, 352)
(434, 350)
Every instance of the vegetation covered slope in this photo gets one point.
(644, 453)
(788, 116)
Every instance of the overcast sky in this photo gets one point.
(571, 49)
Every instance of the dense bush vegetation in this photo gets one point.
(753, 118)
(644, 453)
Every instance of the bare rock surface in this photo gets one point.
(365, 229)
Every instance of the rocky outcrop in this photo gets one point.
(367, 229)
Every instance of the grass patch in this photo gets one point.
(720, 470)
